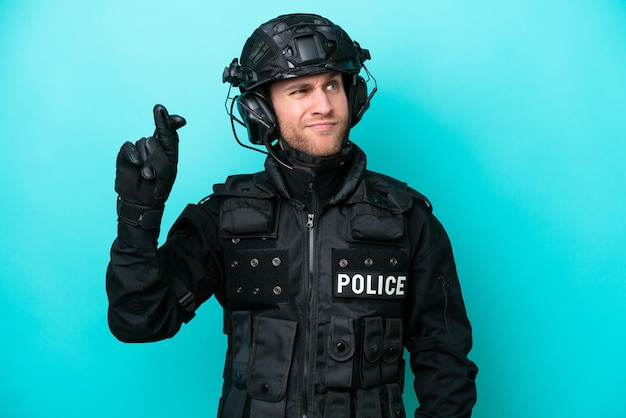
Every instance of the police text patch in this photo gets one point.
(369, 285)
(369, 273)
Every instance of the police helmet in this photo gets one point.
(290, 46)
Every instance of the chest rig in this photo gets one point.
(341, 354)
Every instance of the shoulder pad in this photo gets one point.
(384, 192)
(388, 193)
(248, 185)
(422, 199)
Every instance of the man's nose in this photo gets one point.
(321, 102)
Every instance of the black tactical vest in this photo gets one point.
(314, 302)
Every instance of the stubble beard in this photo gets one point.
(306, 145)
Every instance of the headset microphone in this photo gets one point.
(271, 151)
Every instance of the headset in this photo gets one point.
(292, 46)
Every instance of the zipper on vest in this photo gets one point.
(308, 306)
(310, 331)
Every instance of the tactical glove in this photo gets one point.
(146, 171)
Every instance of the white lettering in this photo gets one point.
(370, 285)
(400, 287)
(370, 289)
(343, 280)
(389, 290)
(358, 284)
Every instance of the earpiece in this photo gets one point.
(257, 114)
(358, 99)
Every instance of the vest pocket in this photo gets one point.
(234, 394)
(372, 351)
(270, 358)
(368, 403)
(248, 217)
(392, 405)
(382, 402)
(371, 223)
(392, 365)
(382, 351)
(341, 347)
(338, 405)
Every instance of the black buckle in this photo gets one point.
(188, 302)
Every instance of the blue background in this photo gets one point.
(509, 115)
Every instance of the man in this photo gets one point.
(324, 269)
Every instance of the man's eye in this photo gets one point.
(332, 86)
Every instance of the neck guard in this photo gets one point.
(292, 158)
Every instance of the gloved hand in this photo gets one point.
(146, 170)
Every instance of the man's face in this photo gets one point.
(312, 112)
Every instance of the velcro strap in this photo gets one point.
(138, 215)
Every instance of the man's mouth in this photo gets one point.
(322, 126)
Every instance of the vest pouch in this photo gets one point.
(392, 365)
(338, 405)
(341, 348)
(368, 403)
(248, 217)
(371, 223)
(372, 351)
(270, 363)
(392, 405)
(236, 369)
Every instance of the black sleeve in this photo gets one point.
(439, 335)
(145, 284)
